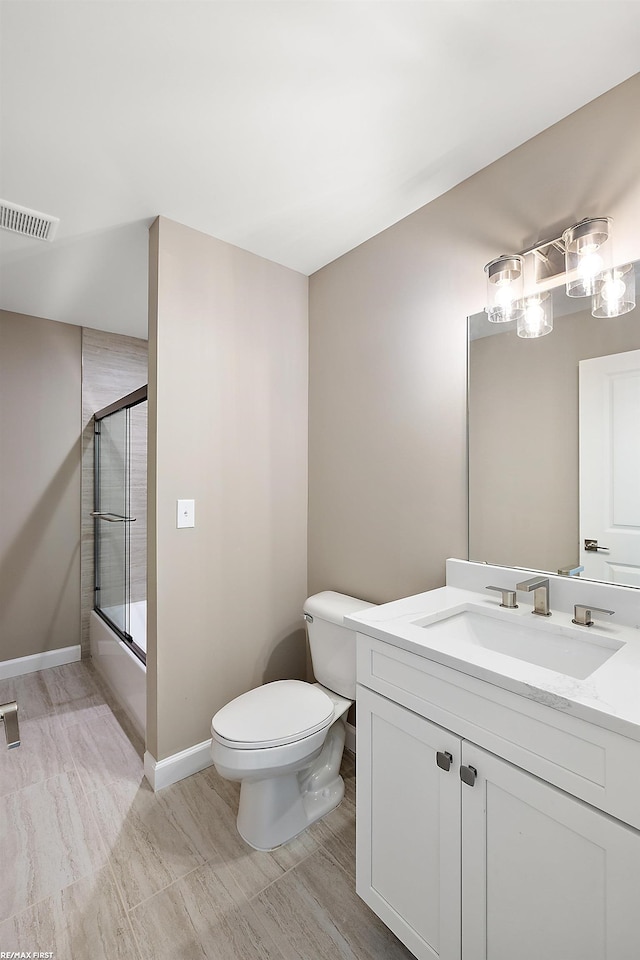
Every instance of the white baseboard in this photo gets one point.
(350, 739)
(38, 661)
(162, 773)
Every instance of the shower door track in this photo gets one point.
(131, 399)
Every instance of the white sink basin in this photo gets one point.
(564, 650)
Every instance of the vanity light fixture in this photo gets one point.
(537, 317)
(587, 256)
(617, 295)
(505, 287)
(581, 257)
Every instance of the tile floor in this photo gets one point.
(94, 865)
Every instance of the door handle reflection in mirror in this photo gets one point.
(592, 546)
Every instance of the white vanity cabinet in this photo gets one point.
(507, 866)
(408, 855)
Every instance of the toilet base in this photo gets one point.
(277, 809)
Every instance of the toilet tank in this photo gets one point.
(333, 646)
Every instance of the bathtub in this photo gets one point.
(122, 671)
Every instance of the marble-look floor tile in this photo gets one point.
(197, 809)
(62, 695)
(203, 915)
(295, 851)
(315, 914)
(85, 919)
(103, 753)
(48, 840)
(90, 841)
(336, 833)
(42, 754)
(253, 870)
(130, 731)
(342, 847)
(74, 693)
(7, 690)
(31, 694)
(229, 790)
(146, 848)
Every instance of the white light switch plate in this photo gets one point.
(186, 513)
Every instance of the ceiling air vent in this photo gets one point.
(29, 223)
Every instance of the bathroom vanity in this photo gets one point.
(498, 771)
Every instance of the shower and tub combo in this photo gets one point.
(118, 620)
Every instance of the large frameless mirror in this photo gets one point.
(554, 444)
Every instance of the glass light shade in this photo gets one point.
(505, 285)
(617, 295)
(588, 255)
(537, 317)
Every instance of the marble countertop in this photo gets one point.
(609, 696)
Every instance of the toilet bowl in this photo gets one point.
(290, 772)
(284, 741)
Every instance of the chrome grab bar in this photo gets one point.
(111, 517)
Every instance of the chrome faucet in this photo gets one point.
(9, 713)
(540, 588)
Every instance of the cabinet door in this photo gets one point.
(408, 826)
(543, 874)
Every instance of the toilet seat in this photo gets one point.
(273, 715)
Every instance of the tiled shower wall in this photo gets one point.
(112, 367)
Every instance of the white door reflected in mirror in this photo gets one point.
(610, 467)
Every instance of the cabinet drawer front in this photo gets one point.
(588, 761)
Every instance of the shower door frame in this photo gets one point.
(124, 403)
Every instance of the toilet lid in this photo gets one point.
(272, 715)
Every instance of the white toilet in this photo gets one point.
(284, 741)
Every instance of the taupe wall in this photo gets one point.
(113, 366)
(40, 383)
(228, 355)
(523, 439)
(387, 391)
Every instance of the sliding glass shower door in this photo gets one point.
(114, 520)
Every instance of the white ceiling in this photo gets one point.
(296, 130)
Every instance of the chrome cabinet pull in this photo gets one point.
(444, 759)
(468, 775)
